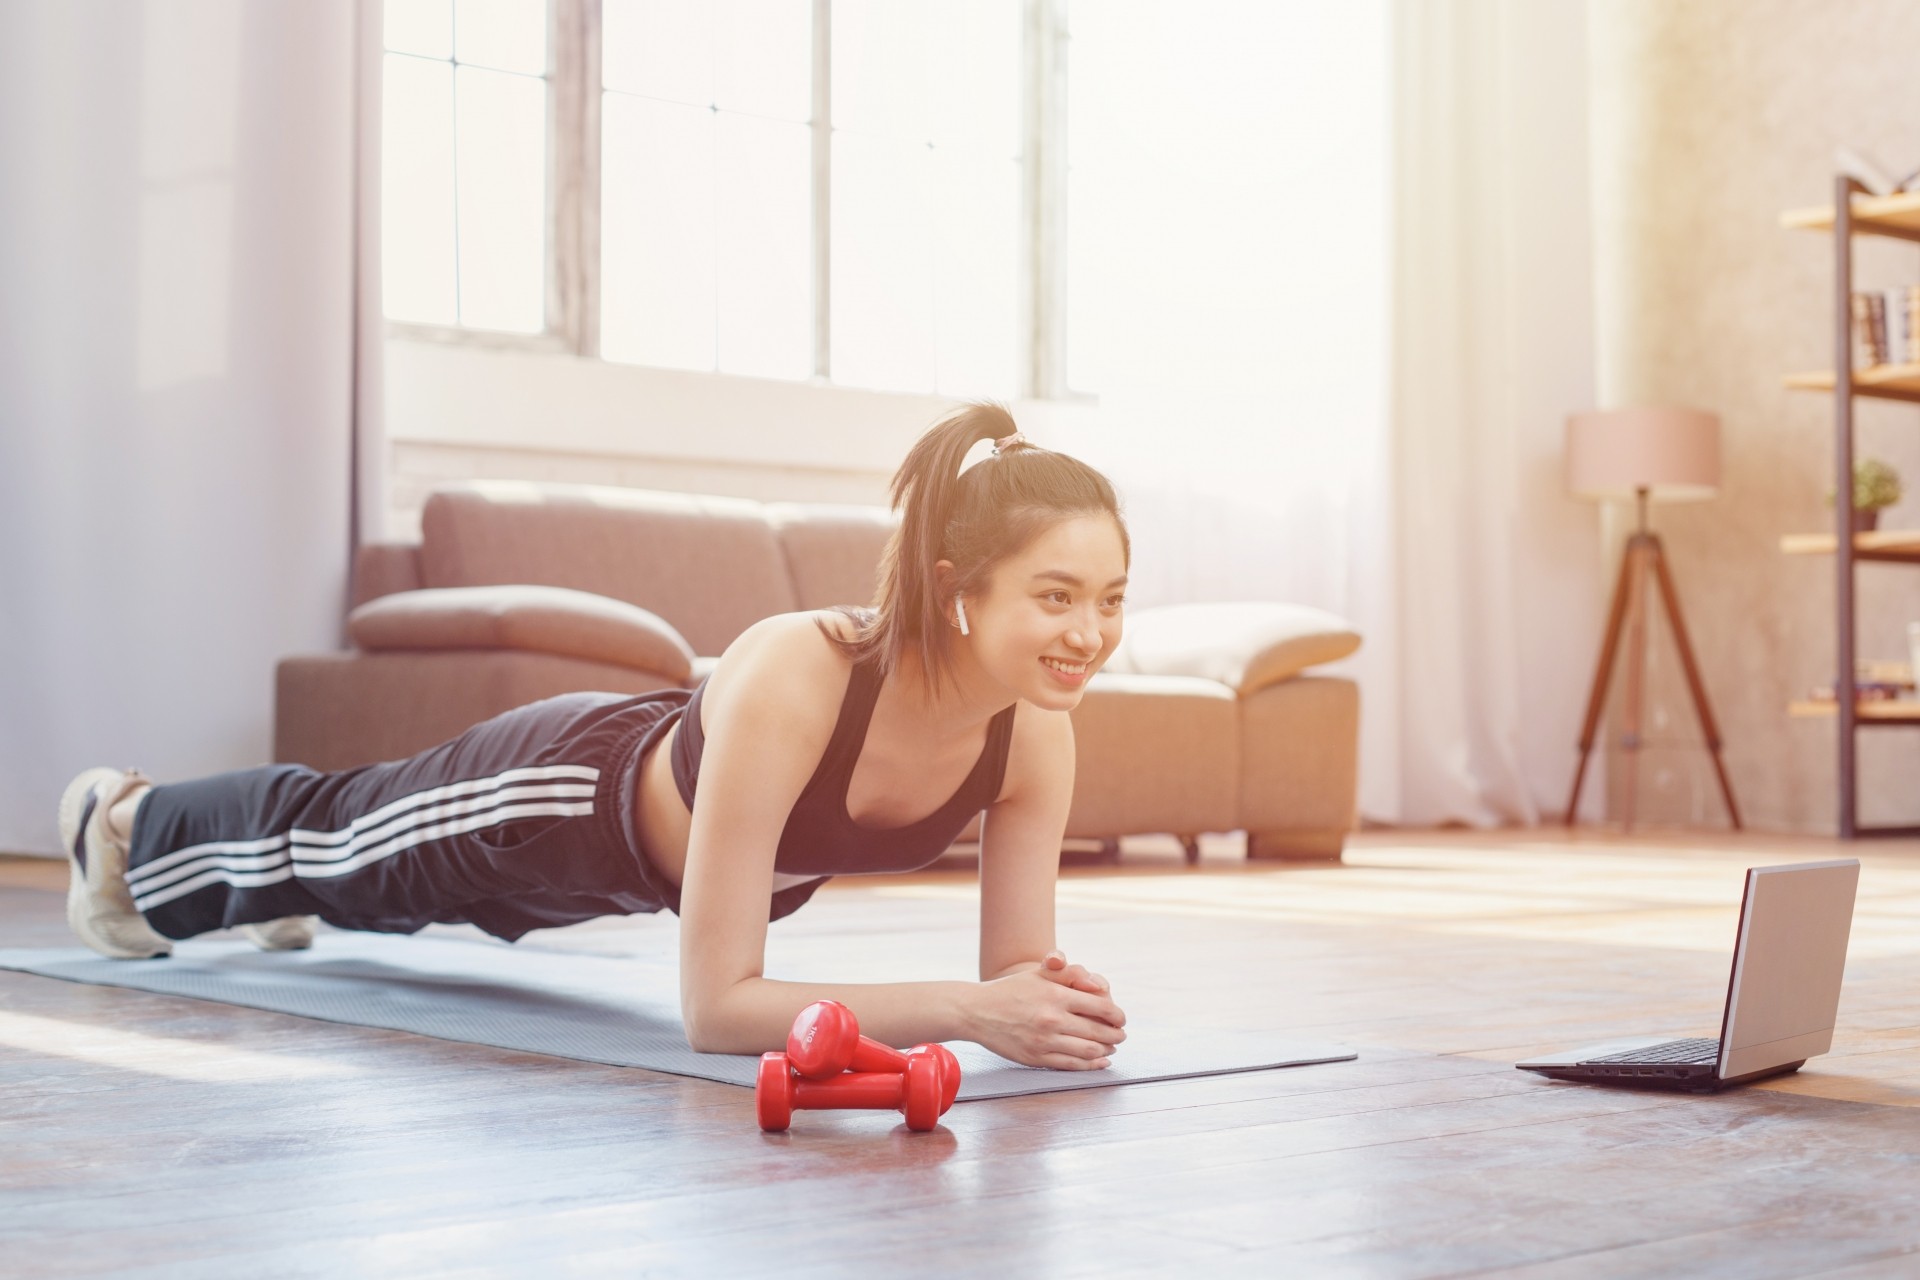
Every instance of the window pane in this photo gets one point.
(660, 48)
(502, 171)
(765, 247)
(1094, 70)
(1090, 70)
(1085, 307)
(424, 27)
(880, 68)
(656, 233)
(508, 35)
(975, 82)
(882, 285)
(764, 65)
(416, 191)
(976, 259)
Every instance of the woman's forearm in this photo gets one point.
(754, 1015)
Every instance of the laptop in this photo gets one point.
(1788, 957)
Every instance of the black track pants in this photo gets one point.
(523, 822)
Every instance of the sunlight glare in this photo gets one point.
(169, 1056)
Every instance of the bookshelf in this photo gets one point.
(1897, 215)
(1900, 545)
(1855, 212)
(1883, 382)
(1865, 713)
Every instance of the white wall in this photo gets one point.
(175, 375)
(459, 411)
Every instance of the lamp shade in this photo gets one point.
(1674, 454)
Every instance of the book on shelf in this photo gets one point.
(1899, 324)
(1864, 691)
(1869, 173)
(1884, 671)
(1886, 327)
(1874, 680)
(1870, 347)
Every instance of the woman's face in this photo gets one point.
(1050, 615)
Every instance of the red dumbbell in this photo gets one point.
(917, 1092)
(826, 1040)
(949, 1071)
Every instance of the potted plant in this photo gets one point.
(1875, 486)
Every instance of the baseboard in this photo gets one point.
(1296, 846)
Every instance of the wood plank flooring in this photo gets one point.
(148, 1136)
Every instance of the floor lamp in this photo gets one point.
(1659, 455)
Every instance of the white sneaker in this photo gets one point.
(288, 933)
(99, 906)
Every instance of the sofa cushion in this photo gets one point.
(1155, 753)
(833, 552)
(555, 620)
(382, 568)
(1299, 741)
(338, 710)
(1244, 646)
(713, 565)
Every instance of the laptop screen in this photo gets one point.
(1791, 953)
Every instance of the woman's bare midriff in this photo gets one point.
(664, 821)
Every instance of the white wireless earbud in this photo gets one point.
(960, 611)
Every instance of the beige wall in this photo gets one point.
(1710, 118)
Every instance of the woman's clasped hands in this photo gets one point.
(1060, 1015)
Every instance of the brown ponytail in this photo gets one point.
(975, 520)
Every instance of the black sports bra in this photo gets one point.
(820, 839)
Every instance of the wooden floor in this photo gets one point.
(143, 1135)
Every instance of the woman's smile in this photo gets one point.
(1070, 675)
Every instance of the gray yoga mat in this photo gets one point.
(617, 1010)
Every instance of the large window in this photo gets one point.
(464, 180)
(706, 143)
(868, 192)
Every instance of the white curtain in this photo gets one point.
(175, 379)
(369, 444)
(1497, 607)
(1344, 266)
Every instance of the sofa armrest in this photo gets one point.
(558, 620)
(383, 569)
(1246, 646)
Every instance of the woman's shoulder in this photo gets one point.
(1040, 729)
(796, 637)
(1040, 750)
(785, 666)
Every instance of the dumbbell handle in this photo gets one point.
(851, 1091)
(870, 1055)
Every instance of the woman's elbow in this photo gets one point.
(705, 1038)
(710, 1025)
(702, 1033)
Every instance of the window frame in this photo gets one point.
(572, 250)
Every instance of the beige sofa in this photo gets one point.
(1203, 721)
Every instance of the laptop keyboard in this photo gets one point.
(1696, 1050)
